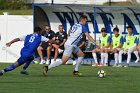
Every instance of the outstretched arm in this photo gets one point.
(13, 41)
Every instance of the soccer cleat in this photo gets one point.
(60, 51)
(24, 72)
(45, 70)
(1, 72)
(77, 73)
(115, 65)
(42, 62)
(127, 65)
(137, 60)
(95, 64)
(119, 65)
(48, 62)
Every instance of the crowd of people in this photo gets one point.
(72, 44)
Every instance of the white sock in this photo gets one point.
(95, 58)
(106, 57)
(128, 57)
(136, 54)
(116, 58)
(55, 64)
(78, 63)
(102, 58)
(120, 56)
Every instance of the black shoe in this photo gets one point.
(24, 72)
(1, 73)
(45, 69)
(77, 73)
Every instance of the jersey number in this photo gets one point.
(74, 28)
(32, 38)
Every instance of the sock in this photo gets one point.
(78, 63)
(55, 64)
(120, 56)
(102, 58)
(128, 57)
(11, 67)
(106, 58)
(116, 58)
(95, 58)
(136, 54)
(26, 66)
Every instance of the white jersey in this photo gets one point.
(76, 33)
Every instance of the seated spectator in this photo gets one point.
(60, 39)
(48, 33)
(105, 41)
(130, 42)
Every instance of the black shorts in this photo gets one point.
(44, 45)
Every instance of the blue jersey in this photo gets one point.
(31, 43)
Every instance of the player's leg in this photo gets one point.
(28, 62)
(128, 57)
(80, 55)
(116, 56)
(107, 50)
(120, 58)
(102, 56)
(19, 62)
(67, 53)
(136, 54)
(39, 50)
(94, 54)
(49, 48)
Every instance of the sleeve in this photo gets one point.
(121, 40)
(124, 40)
(85, 28)
(22, 38)
(136, 41)
(109, 40)
(44, 39)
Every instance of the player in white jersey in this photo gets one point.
(76, 33)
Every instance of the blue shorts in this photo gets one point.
(23, 60)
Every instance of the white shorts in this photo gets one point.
(70, 49)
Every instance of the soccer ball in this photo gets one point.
(101, 73)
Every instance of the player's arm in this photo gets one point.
(90, 38)
(63, 42)
(22, 38)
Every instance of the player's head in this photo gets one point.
(116, 31)
(83, 19)
(47, 28)
(60, 28)
(129, 29)
(37, 30)
(103, 31)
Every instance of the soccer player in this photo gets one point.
(116, 45)
(130, 42)
(60, 39)
(31, 42)
(77, 30)
(105, 41)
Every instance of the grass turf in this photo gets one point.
(61, 80)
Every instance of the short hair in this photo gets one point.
(103, 30)
(130, 27)
(83, 17)
(37, 29)
(116, 29)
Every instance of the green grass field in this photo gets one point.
(61, 80)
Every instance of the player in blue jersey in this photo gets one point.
(31, 42)
(76, 32)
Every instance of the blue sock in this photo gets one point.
(11, 67)
(26, 65)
